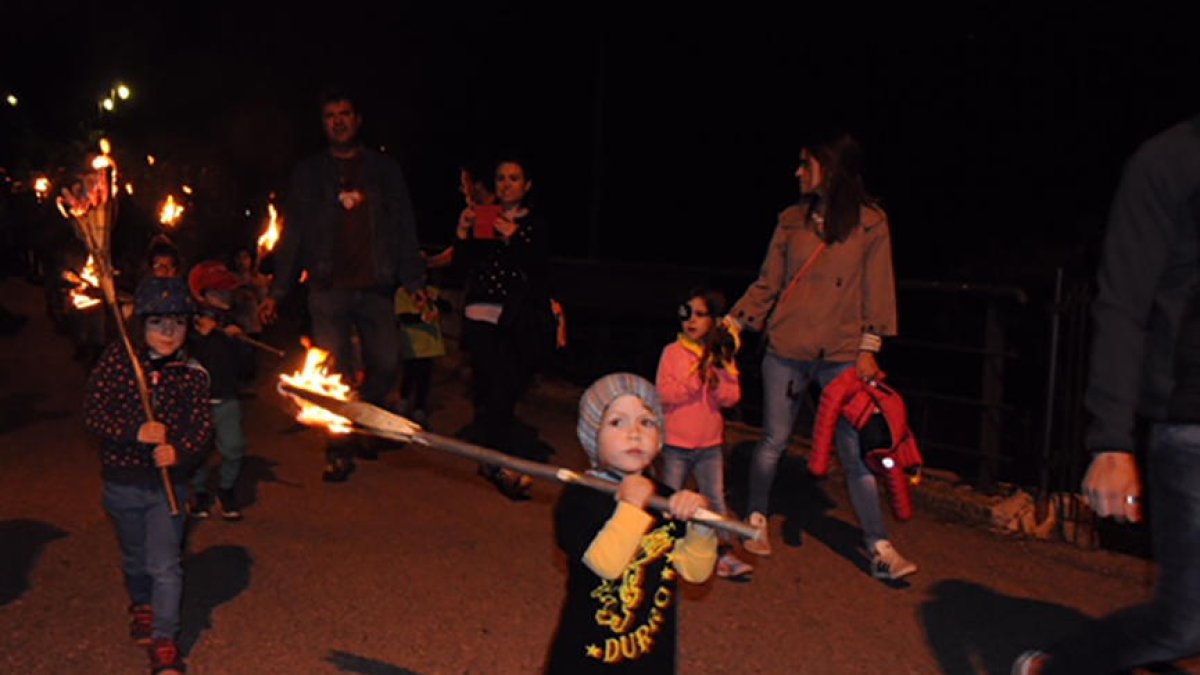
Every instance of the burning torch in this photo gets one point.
(324, 401)
(93, 212)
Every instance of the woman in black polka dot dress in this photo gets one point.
(506, 316)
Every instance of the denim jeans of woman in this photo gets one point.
(785, 382)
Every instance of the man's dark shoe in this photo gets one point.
(229, 505)
(200, 505)
(337, 471)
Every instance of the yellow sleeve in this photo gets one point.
(616, 542)
(696, 554)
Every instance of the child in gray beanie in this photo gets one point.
(623, 562)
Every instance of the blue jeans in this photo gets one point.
(151, 542)
(708, 466)
(230, 442)
(335, 313)
(784, 384)
(1168, 626)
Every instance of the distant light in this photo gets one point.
(101, 162)
(187, 189)
(247, 213)
(150, 160)
(129, 189)
(383, 148)
(41, 185)
(123, 92)
(105, 146)
(888, 462)
(107, 104)
(12, 100)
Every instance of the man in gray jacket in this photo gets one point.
(350, 225)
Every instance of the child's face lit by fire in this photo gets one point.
(699, 321)
(165, 333)
(629, 437)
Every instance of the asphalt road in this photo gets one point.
(416, 565)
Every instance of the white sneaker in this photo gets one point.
(1029, 663)
(887, 563)
(761, 546)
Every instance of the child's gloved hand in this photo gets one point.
(154, 433)
(636, 490)
(685, 503)
(165, 455)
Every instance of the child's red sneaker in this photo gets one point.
(141, 624)
(165, 658)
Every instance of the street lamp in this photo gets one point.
(119, 92)
(11, 100)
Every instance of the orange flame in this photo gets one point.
(270, 236)
(315, 377)
(170, 212)
(86, 277)
(41, 187)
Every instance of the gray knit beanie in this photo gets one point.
(604, 391)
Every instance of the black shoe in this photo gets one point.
(511, 484)
(229, 505)
(201, 505)
(337, 471)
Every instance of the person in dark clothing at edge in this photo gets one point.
(351, 225)
(1145, 361)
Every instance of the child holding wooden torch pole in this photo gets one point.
(133, 450)
(623, 561)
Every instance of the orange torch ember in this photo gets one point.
(41, 187)
(86, 277)
(270, 236)
(170, 212)
(315, 377)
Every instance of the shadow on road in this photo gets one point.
(255, 470)
(21, 542)
(801, 500)
(19, 410)
(973, 629)
(211, 577)
(353, 663)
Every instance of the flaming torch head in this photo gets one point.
(171, 212)
(315, 377)
(86, 278)
(270, 236)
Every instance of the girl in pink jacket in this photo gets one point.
(696, 378)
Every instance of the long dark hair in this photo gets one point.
(844, 194)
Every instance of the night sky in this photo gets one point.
(994, 134)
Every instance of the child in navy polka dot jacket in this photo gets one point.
(133, 449)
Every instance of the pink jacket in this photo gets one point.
(692, 410)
